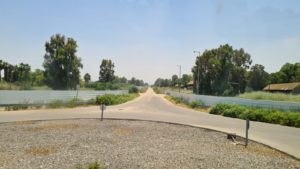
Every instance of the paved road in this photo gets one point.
(151, 106)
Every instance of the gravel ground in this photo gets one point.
(128, 144)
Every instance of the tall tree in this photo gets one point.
(258, 77)
(185, 79)
(106, 73)
(174, 80)
(87, 78)
(287, 74)
(221, 71)
(62, 66)
(1, 68)
(37, 78)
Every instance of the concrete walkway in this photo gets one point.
(151, 106)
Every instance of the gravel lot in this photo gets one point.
(128, 144)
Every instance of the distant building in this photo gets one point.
(293, 88)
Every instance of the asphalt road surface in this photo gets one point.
(150, 106)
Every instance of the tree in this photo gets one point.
(62, 66)
(258, 77)
(37, 78)
(106, 73)
(185, 79)
(1, 68)
(287, 74)
(174, 80)
(221, 71)
(87, 78)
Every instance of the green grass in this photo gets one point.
(8, 86)
(93, 165)
(255, 114)
(270, 96)
(109, 99)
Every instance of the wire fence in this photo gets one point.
(213, 100)
(15, 97)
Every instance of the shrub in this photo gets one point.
(109, 99)
(197, 103)
(133, 89)
(270, 96)
(74, 102)
(255, 114)
(157, 90)
(143, 89)
(55, 104)
(93, 165)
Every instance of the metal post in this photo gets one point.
(102, 107)
(247, 128)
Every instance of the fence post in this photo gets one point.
(247, 128)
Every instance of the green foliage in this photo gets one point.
(258, 77)
(74, 103)
(136, 82)
(287, 74)
(133, 89)
(87, 78)
(185, 79)
(143, 89)
(61, 63)
(93, 165)
(254, 114)
(162, 82)
(197, 104)
(221, 69)
(37, 78)
(105, 86)
(106, 73)
(271, 96)
(110, 99)
(174, 80)
(157, 90)
(55, 104)
(16, 107)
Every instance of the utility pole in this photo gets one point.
(179, 77)
(198, 74)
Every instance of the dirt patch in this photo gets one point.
(54, 127)
(41, 150)
(122, 131)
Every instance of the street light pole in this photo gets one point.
(179, 78)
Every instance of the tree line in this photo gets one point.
(227, 71)
(14, 73)
(173, 81)
(61, 68)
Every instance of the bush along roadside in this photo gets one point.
(53, 104)
(197, 104)
(109, 99)
(262, 115)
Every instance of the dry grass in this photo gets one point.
(271, 96)
(54, 127)
(5, 158)
(23, 122)
(262, 150)
(41, 151)
(200, 109)
(122, 131)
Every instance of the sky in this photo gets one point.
(147, 39)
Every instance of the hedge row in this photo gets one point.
(254, 114)
(109, 99)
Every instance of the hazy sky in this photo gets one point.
(148, 38)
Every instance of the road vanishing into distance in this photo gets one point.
(151, 106)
